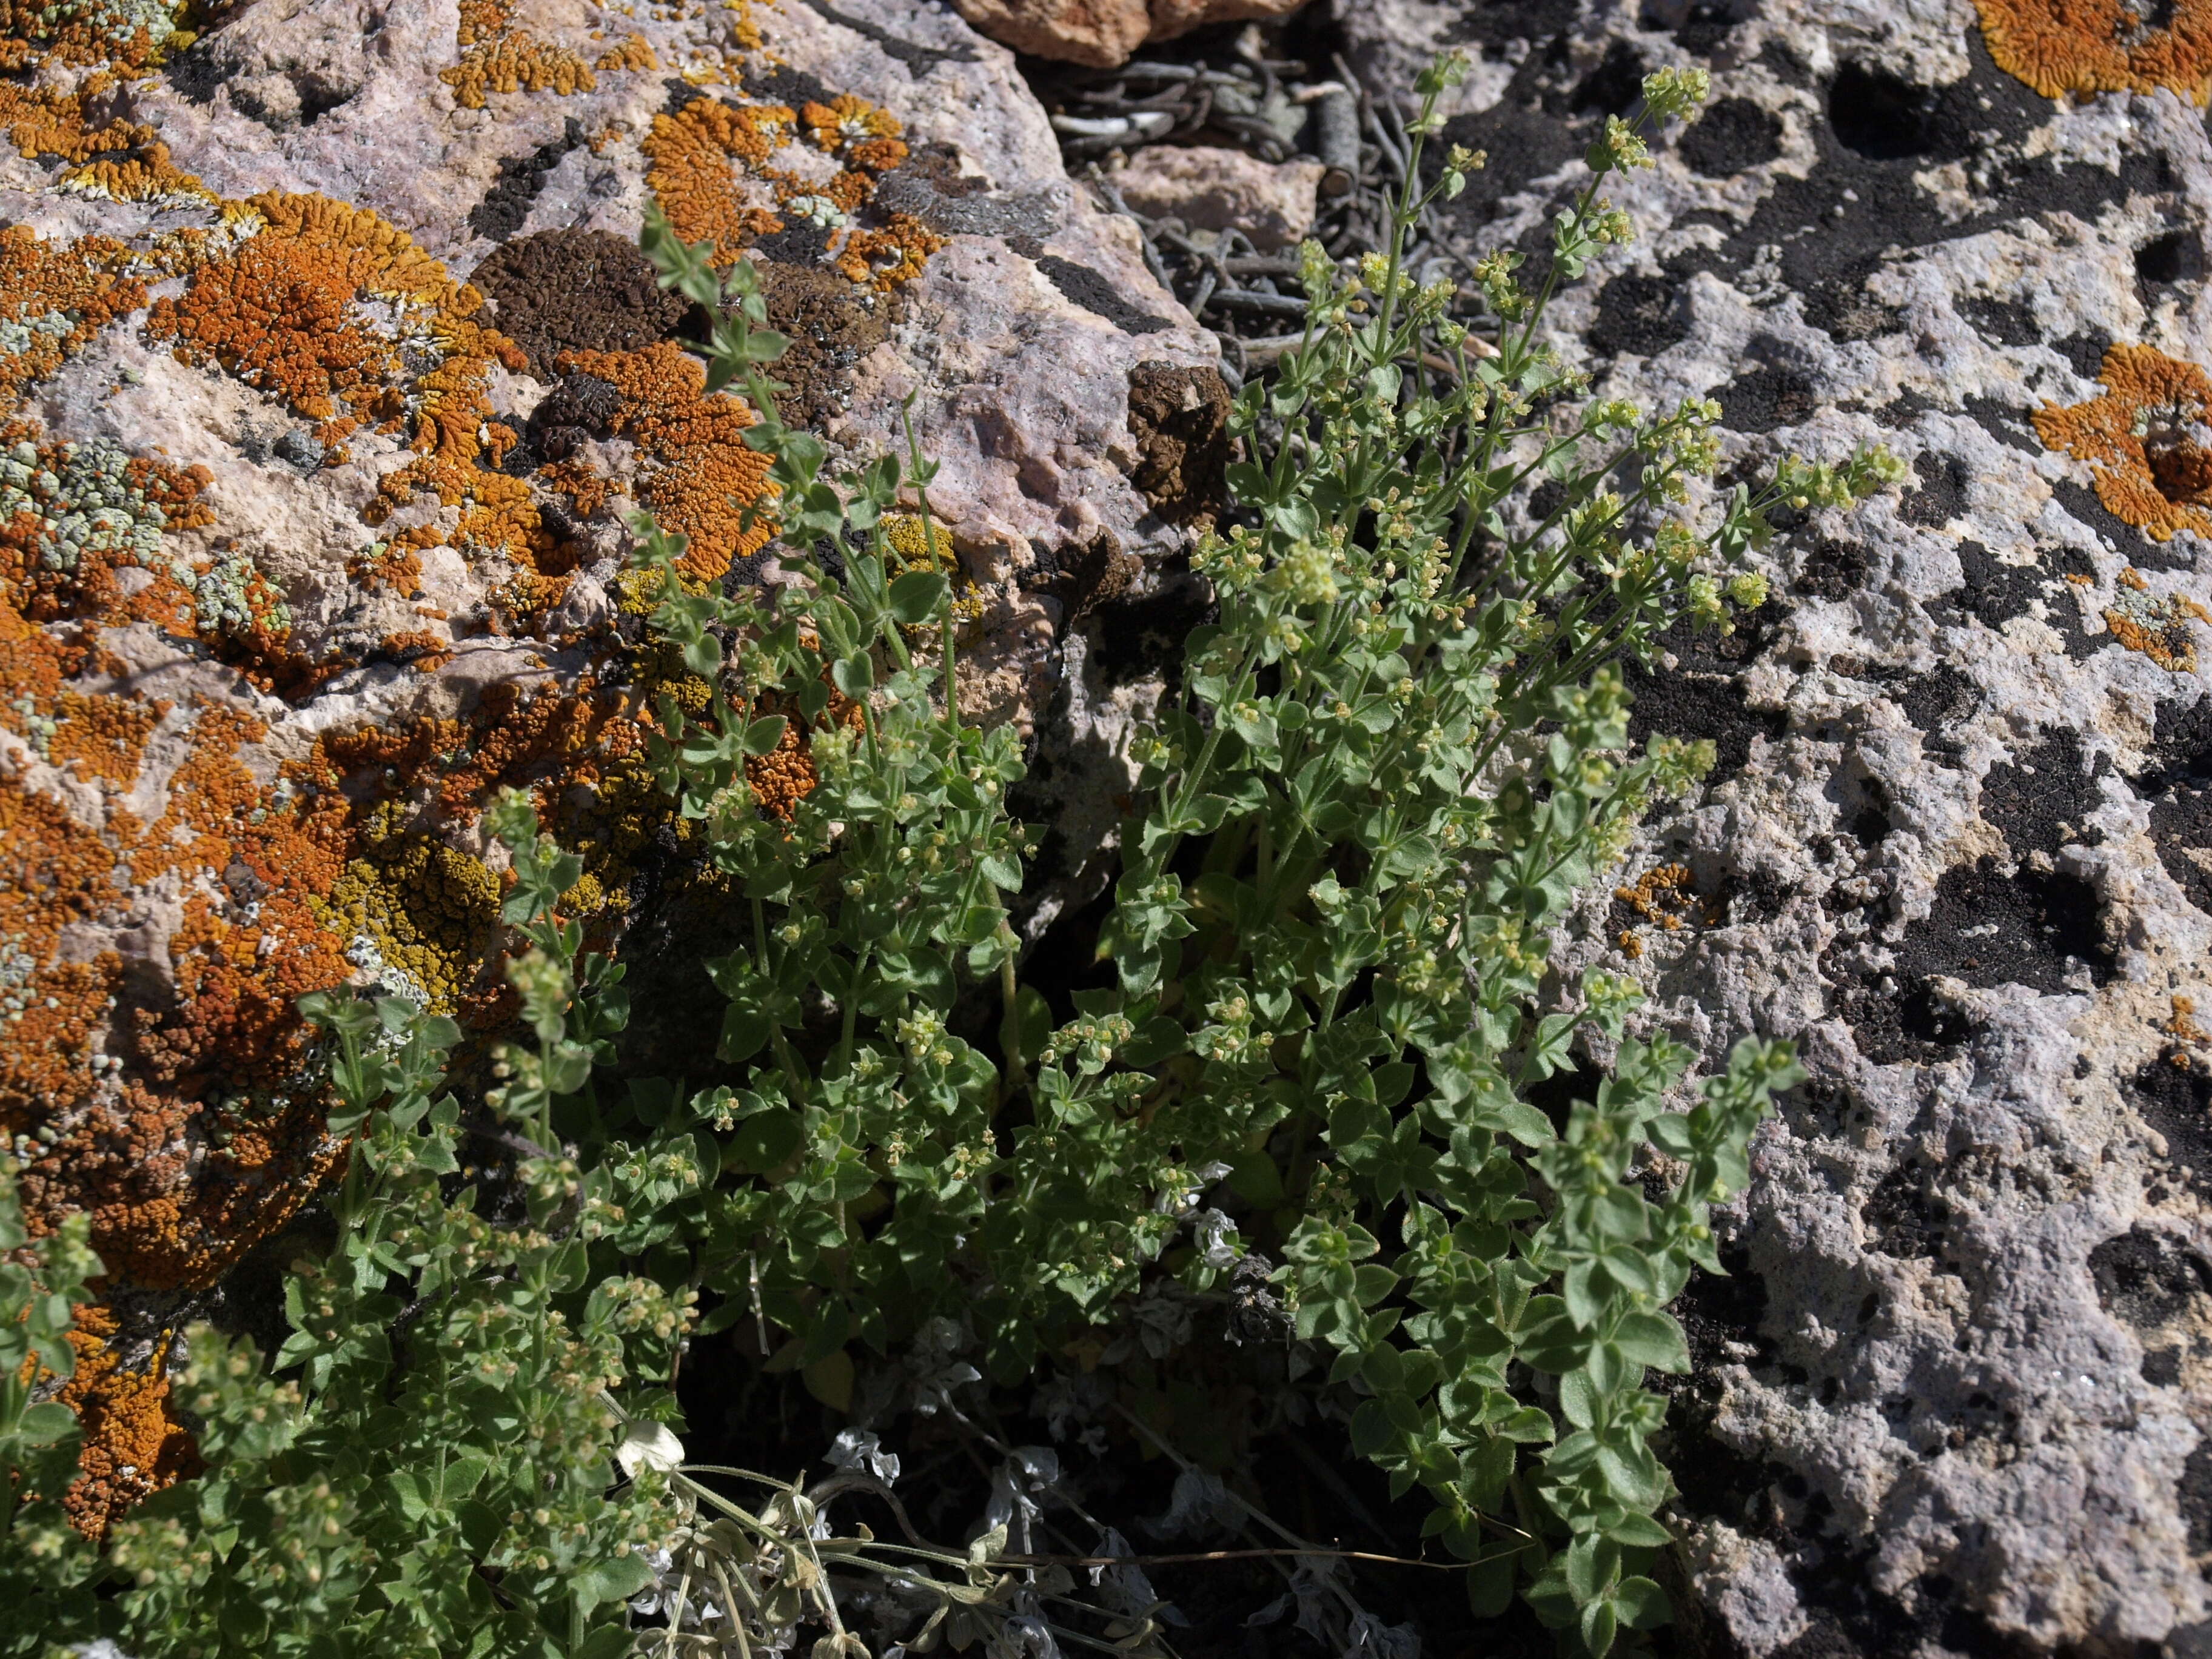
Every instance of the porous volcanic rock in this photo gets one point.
(1956, 1398)
(310, 543)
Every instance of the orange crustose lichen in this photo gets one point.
(2158, 627)
(171, 1097)
(2059, 47)
(497, 56)
(784, 777)
(73, 290)
(691, 155)
(125, 161)
(2148, 439)
(696, 473)
(134, 1444)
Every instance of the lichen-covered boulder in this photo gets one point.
(329, 373)
(1957, 1396)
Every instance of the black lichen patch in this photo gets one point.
(932, 187)
(2194, 1493)
(2006, 423)
(1180, 419)
(1705, 27)
(1614, 87)
(1861, 204)
(576, 290)
(1995, 592)
(1835, 570)
(1766, 400)
(1544, 117)
(2005, 322)
(196, 73)
(507, 202)
(580, 407)
(2082, 504)
(780, 83)
(2146, 1277)
(1879, 115)
(1638, 314)
(1890, 1026)
(1085, 577)
(2043, 800)
(2178, 784)
(1082, 286)
(2085, 352)
(1699, 695)
(801, 242)
(1734, 134)
(2033, 928)
(831, 325)
(1941, 496)
(2174, 1092)
(1935, 702)
(1903, 1218)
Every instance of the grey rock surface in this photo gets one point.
(1955, 1398)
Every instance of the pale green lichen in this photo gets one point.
(232, 597)
(89, 504)
(19, 335)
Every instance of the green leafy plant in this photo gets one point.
(1384, 775)
(42, 1284)
(1370, 796)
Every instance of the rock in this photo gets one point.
(1216, 190)
(1105, 33)
(1956, 1397)
(330, 372)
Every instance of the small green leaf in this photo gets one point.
(917, 597)
(614, 1579)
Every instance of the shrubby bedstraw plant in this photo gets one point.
(1380, 782)
(1373, 790)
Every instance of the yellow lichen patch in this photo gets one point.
(883, 259)
(289, 312)
(847, 120)
(692, 156)
(417, 913)
(2147, 438)
(497, 56)
(632, 54)
(51, 1011)
(913, 543)
(2059, 47)
(2157, 627)
(279, 315)
(133, 1445)
(1665, 897)
(694, 472)
(387, 565)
